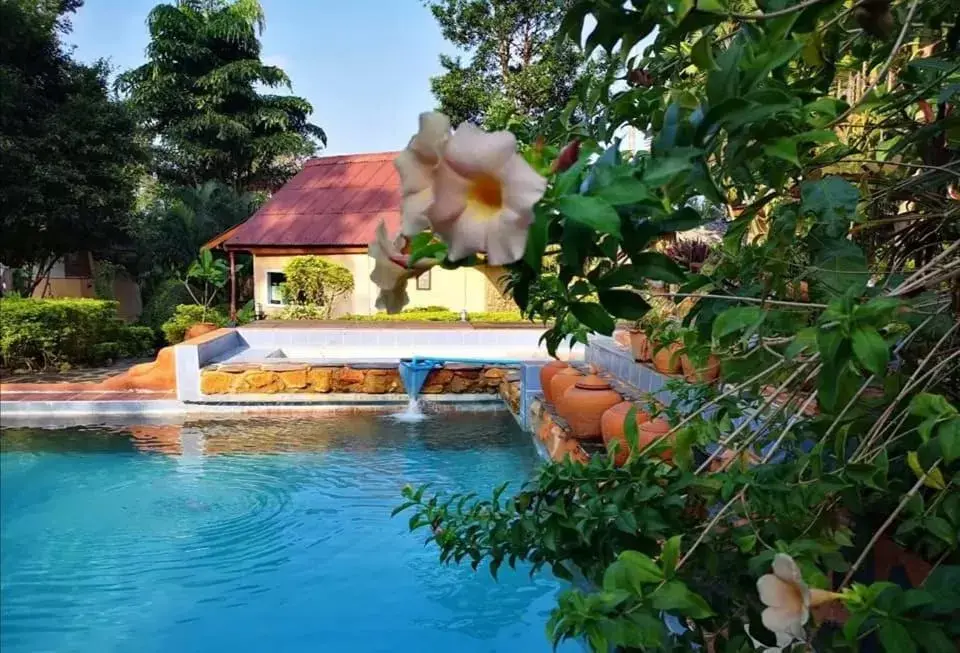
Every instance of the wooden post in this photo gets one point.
(233, 289)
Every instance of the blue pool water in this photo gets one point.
(254, 535)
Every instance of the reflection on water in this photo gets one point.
(253, 534)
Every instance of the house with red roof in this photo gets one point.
(332, 208)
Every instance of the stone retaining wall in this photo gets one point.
(286, 378)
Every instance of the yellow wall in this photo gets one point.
(454, 289)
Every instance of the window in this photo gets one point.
(423, 281)
(275, 281)
(76, 265)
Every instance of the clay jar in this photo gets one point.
(640, 346)
(585, 403)
(707, 373)
(547, 372)
(651, 432)
(199, 329)
(612, 428)
(667, 360)
(560, 383)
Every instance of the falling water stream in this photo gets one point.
(412, 413)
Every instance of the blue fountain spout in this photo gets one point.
(414, 373)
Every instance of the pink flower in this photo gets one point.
(391, 270)
(788, 599)
(416, 165)
(483, 196)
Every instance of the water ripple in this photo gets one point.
(252, 534)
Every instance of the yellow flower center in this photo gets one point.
(486, 191)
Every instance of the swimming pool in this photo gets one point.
(254, 535)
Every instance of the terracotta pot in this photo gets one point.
(612, 428)
(585, 403)
(199, 329)
(651, 432)
(706, 374)
(622, 337)
(799, 291)
(667, 360)
(560, 383)
(547, 372)
(640, 346)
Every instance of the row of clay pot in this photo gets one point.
(593, 410)
(670, 360)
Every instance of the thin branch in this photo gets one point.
(921, 166)
(880, 531)
(776, 14)
(752, 300)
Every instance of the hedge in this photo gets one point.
(416, 315)
(42, 332)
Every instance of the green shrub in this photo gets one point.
(302, 312)
(42, 332)
(315, 281)
(163, 302)
(185, 316)
(417, 315)
(428, 309)
(248, 313)
(137, 341)
(107, 351)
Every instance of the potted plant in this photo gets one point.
(666, 349)
(691, 254)
(210, 275)
(699, 363)
(641, 343)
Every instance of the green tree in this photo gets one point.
(71, 157)
(316, 281)
(198, 93)
(178, 221)
(517, 70)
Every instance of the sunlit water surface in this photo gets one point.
(254, 535)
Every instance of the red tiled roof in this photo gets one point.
(333, 201)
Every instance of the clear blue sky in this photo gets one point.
(364, 65)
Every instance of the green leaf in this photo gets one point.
(746, 543)
(640, 567)
(702, 54)
(624, 303)
(783, 148)
(537, 239)
(717, 115)
(660, 170)
(737, 319)
(927, 404)
(895, 638)
(941, 528)
(654, 265)
(674, 595)
(626, 190)
(591, 212)
(871, 350)
(932, 639)
(403, 506)
(670, 554)
(833, 200)
(948, 436)
(711, 6)
(804, 340)
(592, 315)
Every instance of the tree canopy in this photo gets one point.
(516, 71)
(198, 92)
(71, 157)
